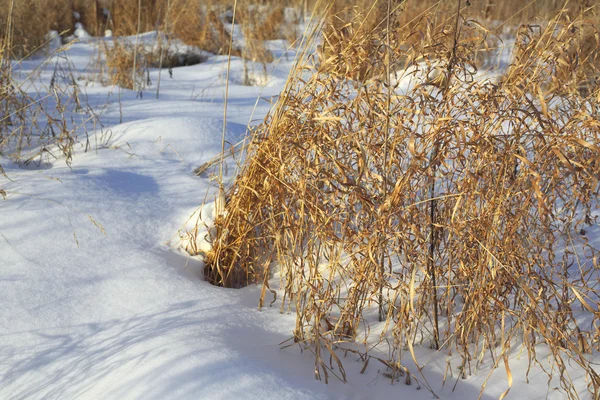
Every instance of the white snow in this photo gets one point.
(95, 304)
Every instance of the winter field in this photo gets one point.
(106, 226)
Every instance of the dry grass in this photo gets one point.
(254, 51)
(119, 64)
(266, 23)
(200, 27)
(24, 24)
(32, 19)
(451, 210)
(45, 124)
(571, 64)
(259, 24)
(120, 53)
(257, 28)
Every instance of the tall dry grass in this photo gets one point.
(45, 125)
(32, 19)
(570, 65)
(448, 207)
(39, 124)
(199, 25)
(117, 63)
(257, 28)
(25, 24)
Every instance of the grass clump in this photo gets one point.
(258, 29)
(198, 23)
(119, 64)
(571, 65)
(447, 208)
(200, 27)
(25, 24)
(119, 55)
(40, 125)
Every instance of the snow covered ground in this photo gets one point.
(95, 304)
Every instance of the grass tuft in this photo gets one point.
(445, 206)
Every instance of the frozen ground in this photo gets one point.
(94, 304)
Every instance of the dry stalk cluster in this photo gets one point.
(29, 21)
(450, 208)
(38, 125)
(257, 28)
(352, 43)
(201, 27)
(118, 61)
(571, 64)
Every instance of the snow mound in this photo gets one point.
(192, 140)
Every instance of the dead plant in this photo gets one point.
(447, 206)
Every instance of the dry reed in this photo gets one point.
(32, 19)
(448, 206)
(47, 123)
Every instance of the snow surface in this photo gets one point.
(95, 304)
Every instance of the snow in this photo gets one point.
(95, 302)
(88, 314)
